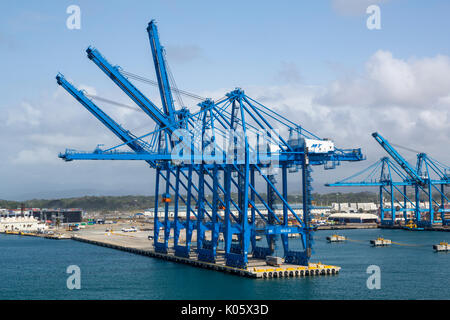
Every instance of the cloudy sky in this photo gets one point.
(315, 62)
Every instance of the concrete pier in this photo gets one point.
(138, 243)
(429, 228)
(349, 226)
(257, 268)
(58, 236)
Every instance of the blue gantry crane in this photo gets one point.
(426, 182)
(211, 165)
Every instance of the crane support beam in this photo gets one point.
(161, 71)
(120, 132)
(398, 158)
(140, 99)
(193, 158)
(427, 181)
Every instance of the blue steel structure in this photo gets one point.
(428, 178)
(216, 183)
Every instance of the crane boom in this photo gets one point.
(120, 132)
(161, 71)
(398, 158)
(141, 100)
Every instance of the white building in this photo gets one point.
(26, 224)
(353, 207)
(353, 217)
(150, 213)
(409, 205)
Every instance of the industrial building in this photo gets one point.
(296, 208)
(63, 216)
(354, 207)
(24, 224)
(51, 216)
(353, 217)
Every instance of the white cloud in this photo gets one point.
(386, 81)
(26, 114)
(183, 53)
(36, 156)
(406, 100)
(288, 72)
(88, 89)
(60, 140)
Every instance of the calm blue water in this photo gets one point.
(34, 268)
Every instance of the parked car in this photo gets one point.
(131, 229)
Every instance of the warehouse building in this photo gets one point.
(353, 217)
(55, 215)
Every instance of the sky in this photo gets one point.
(316, 62)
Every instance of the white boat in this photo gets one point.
(380, 242)
(336, 238)
(443, 246)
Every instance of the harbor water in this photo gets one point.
(35, 268)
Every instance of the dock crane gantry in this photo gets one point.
(186, 152)
(429, 177)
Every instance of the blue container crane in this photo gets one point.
(209, 162)
(428, 178)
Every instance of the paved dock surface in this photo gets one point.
(137, 242)
(433, 228)
(348, 226)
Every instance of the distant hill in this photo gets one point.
(140, 203)
(132, 203)
(96, 203)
